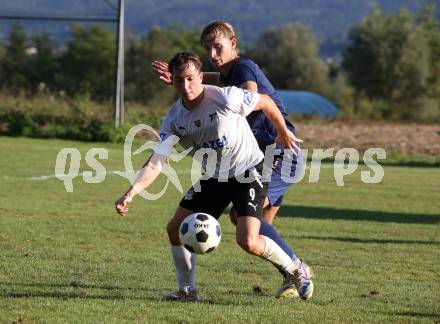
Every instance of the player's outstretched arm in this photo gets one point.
(161, 69)
(149, 172)
(284, 136)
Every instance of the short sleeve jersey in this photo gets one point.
(217, 123)
(244, 69)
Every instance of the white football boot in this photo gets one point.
(298, 283)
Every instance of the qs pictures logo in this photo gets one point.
(67, 165)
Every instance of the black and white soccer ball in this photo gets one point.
(200, 233)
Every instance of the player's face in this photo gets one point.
(188, 82)
(220, 49)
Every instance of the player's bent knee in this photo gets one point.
(174, 225)
(170, 227)
(173, 231)
(249, 244)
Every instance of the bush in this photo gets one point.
(47, 117)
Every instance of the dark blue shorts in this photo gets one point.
(277, 186)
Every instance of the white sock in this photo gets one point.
(275, 254)
(185, 263)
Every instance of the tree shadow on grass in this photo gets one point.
(83, 293)
(420, 314)
(362, 215)
(78, 284)
(71, 295)
(363, 241)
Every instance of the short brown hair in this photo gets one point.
(217, 27)
(183, 60)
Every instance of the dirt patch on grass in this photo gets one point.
(409, 139)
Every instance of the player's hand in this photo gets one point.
(161, 69)
(289, 141)
(121, 204)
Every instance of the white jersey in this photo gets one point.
(218, 123)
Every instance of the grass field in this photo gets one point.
(68, 257)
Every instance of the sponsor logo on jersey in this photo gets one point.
(216, 144)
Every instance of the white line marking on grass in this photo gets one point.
(55, 176)
(50, 176)
(80, 174)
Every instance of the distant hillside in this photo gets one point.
(330, 19)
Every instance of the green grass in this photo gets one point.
(68, 257)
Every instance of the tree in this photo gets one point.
(431, 26)
(290, 58)
(14, 63)
(44, 63)
(388, 61)
(159, 44)
(88, 64)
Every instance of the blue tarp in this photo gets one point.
(307, 103)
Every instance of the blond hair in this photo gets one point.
(217, 28)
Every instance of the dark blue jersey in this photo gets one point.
(244, 69)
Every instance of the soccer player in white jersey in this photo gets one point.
(214, 119)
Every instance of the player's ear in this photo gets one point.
(233, 42)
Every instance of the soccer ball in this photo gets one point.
(200, 233)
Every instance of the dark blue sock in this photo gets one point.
(267, 230)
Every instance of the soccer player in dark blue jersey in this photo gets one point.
(218, 39)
